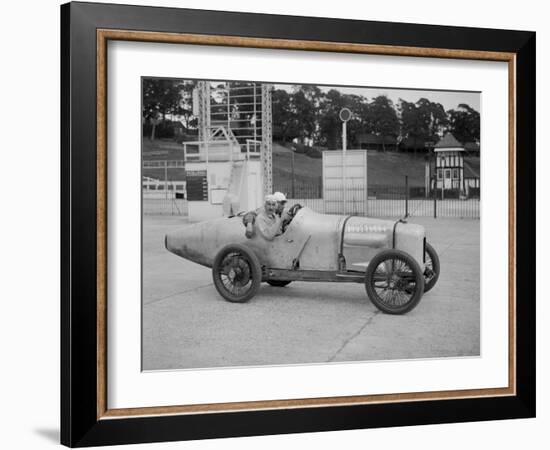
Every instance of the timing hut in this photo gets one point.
(449, 164)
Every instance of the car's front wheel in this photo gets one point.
(236, 273)
(394, 282)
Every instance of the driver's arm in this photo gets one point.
(249, 218)
(286, 218)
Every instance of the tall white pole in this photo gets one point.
(228, 110)
(344, 146)
(345, 115)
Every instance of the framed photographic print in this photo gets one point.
(277, 224)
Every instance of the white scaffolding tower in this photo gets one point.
(244, 110)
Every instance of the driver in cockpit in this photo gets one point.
(281, 211)
(271, 220)
(266, 220)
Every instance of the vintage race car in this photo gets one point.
(392, 258)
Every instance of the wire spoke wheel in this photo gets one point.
(431, 268)
(394, 282)
(236, 273)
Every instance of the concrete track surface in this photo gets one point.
(187, 324)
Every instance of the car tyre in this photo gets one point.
(237, 273)
(432, 268)
(278, 283)
(394, 282)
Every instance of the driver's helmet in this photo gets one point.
(280, 197)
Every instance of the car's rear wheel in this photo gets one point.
(431, 270)
(278, 283)
(394, 282)
(236, 273)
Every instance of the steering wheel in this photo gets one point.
(294, 209)
(290, 215)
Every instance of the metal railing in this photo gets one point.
(385, 200)
(301, 187)
(253, 149)
(164, 203)
(161, 164)
(220, 146)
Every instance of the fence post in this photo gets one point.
(435, 196)
(166, 179)
(292, 171)
(406, 196)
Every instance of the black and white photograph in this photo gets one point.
(288, 224)
(261, 225)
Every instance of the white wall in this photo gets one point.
(29, 333)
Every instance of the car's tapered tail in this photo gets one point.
(200, 242)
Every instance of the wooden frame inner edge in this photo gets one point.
(101, 223)
(103, 35)
(512, 269)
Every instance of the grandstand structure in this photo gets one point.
(240, 112)
(229, 168)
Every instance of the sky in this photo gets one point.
(449, 99)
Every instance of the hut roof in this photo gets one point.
(448, 142)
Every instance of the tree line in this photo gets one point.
(164, 99)
(308, 115)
